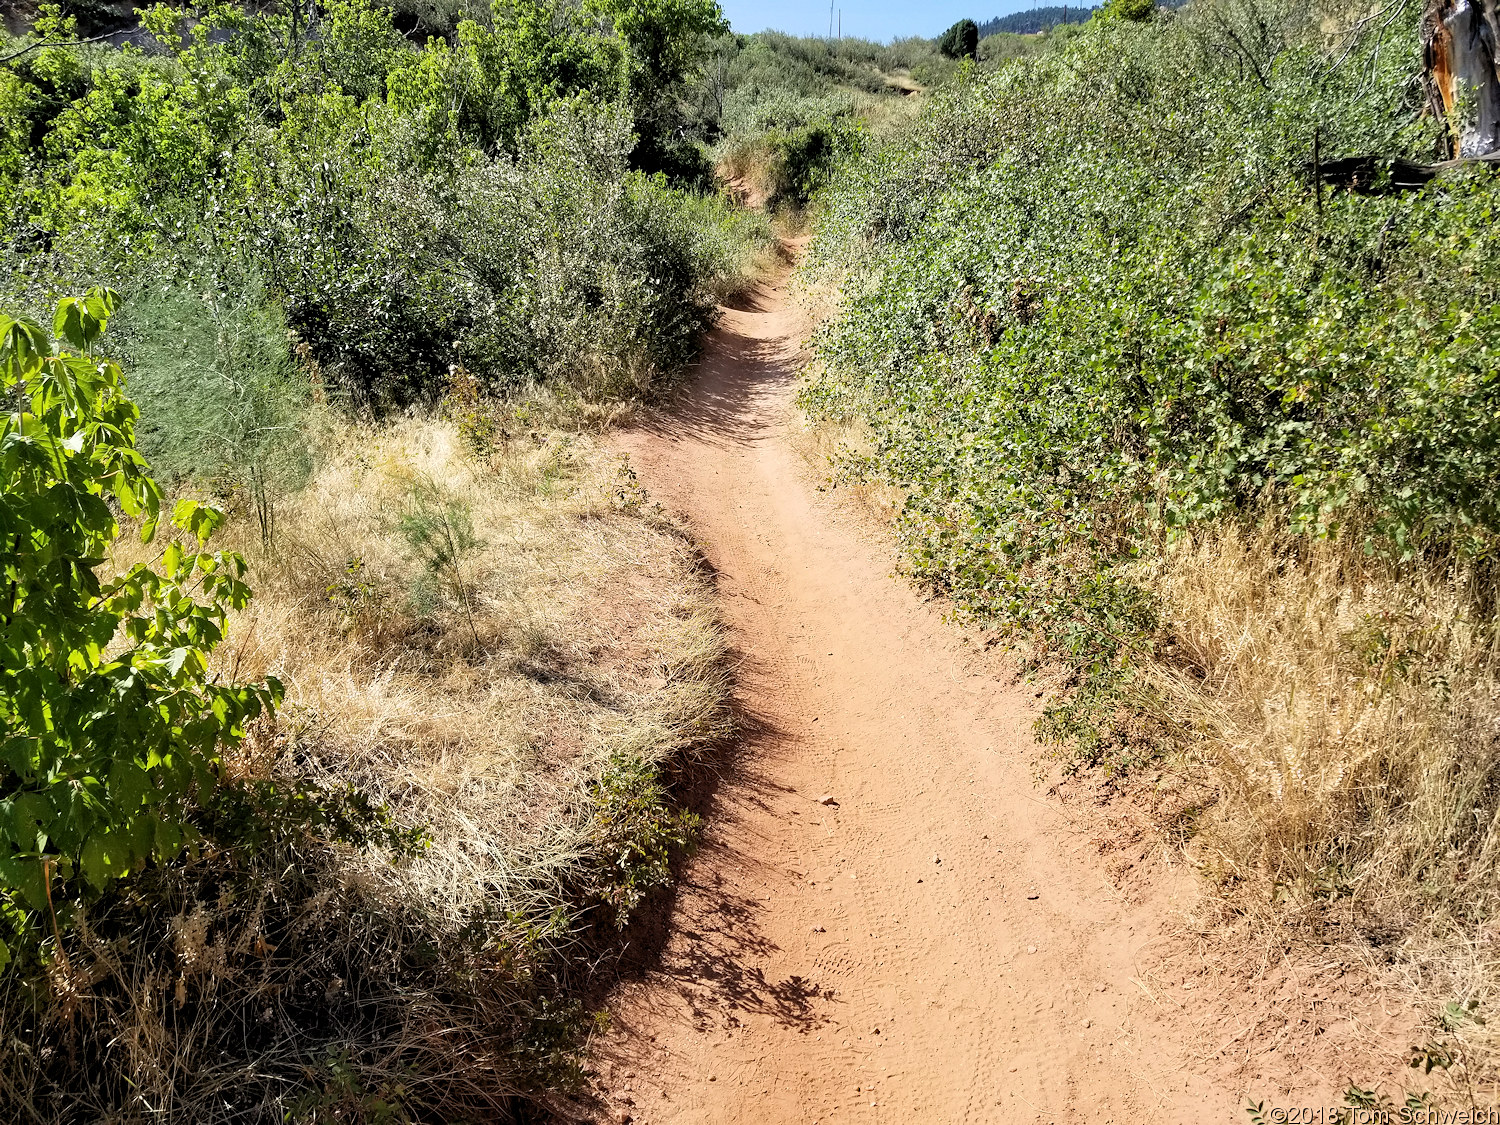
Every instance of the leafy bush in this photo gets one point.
(730, 244)
(334, 168)
(107, 748)
(772, 61)
(1133, 10)
(1099, 296)
(556, 264)
(222, 399)
(753, 83)
(785, 146)
(1006, 45)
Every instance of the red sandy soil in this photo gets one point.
(889, 920)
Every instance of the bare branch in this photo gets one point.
(53, 43)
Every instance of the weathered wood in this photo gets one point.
(1382, 175)
(1459, 45)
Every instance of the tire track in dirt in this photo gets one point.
(930, 947)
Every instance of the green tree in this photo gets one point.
(667, 39)
(111, 728)
(536, 54)
(666, 43)
(961, 41)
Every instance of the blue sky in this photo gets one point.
(868, 19)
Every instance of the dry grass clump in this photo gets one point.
(592, 637)
(1348, 711)
(521, 695)
(833, 450)
(759, 259)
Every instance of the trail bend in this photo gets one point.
(936, 945)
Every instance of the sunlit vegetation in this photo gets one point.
(345, 678)
(778, 113)
(1189, 393)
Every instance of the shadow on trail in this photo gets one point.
(714, 965)
(734, 395)
(712, 962)
(711, 966)
(730, 396)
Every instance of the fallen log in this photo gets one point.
(1384, 175)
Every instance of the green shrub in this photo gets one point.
(557, 264)
(772, 61)
(105, 750)
(803, 158)
(788, 144)
(222, 400)
(1097, 297)
(335, 166)
(1134, 11)
(725, 240)
(439, 531)
(752, 83)
(1006, 45)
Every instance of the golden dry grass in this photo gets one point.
(533, 743)
(828, 448)
(1347, 712)
(596, 635)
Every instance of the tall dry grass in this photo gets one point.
(1350, 708)
(526, 711)
(1347, 711)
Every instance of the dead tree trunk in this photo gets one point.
(1459, 45)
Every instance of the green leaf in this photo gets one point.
(23, 875)
(101, 861)
(69, 323)
(105, 750)
(128, 783)
(23, 345)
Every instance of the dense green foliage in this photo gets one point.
(222, 400)
(1099, 295)
(961, 41)
(110, 726)
(473, 202)
(1133, 10)
(792, 143)
(746, 69)
(1005, 45)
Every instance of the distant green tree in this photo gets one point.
(666, 44)
(961, 41)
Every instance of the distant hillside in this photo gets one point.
(1033, 20)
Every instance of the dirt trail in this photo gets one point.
(937, 945)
